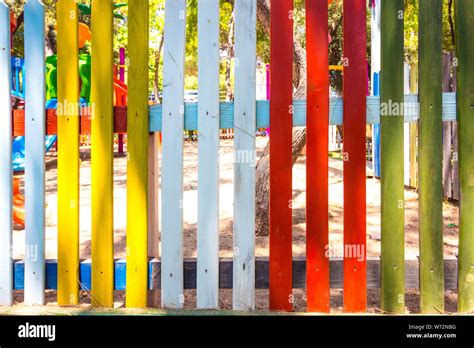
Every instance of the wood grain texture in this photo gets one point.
(243, 294)
(208, 155)
(34, 152)
(137, 148)
(392, 188)
(355, 76)
(102, 154)
(281, 60)
(172, 295)
(6, 179)
(68, 152)
(317, 165)
(430, 160)
(465, 99)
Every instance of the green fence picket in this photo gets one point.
(465, 107)
(391, 124)
(430, 157)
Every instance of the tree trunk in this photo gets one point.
(262, 185)
(50, 41)
(299, 134)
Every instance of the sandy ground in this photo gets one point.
(226, 206)
(225, 303)
(451, 220)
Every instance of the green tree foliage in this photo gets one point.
(226, 38)
(411, 29)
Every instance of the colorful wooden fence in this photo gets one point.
(244, 273)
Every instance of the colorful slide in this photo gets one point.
(18, 150)
(18, 203)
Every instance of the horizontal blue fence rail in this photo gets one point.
(225, 273)
(410, 107)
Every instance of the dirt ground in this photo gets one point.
(225, 303)
(451, 220)
(451, 223)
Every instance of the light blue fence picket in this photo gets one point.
(375, 78)
(244, 150)
(208, 155)
(35, 152)
(172, 294)
(6, 180)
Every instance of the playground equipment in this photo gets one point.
(243, 273)
(18, 92)
(18, 203)
(18, 150)
(120, 88)
(18, 146)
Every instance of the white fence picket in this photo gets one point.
(244, 164)
(172, 294)
(208, 155)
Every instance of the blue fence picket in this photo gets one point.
(375, 75)
(35, 152)
(6, 180)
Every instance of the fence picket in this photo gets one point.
(375, 79)
(355, 75)
(6, 179)
(102, 154)
(465, 102)
(34, 152)
(317, 164)
(208, 155)
(430, 162)
(137, 149)
(243, 294)
(172, 294)
(392, 188)
(281, 60)
(68, 152)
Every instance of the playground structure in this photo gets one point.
(18, 94)
(144, 269)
